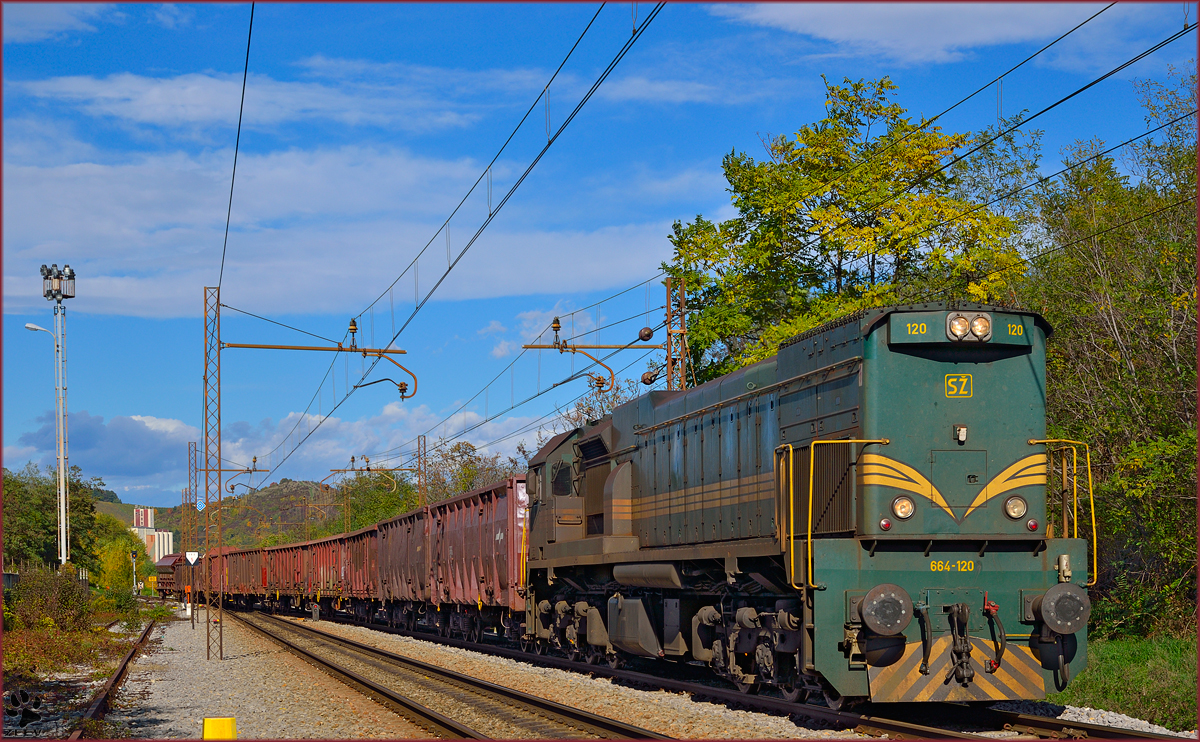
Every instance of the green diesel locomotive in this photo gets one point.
(861, 517)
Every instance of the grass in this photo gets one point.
(1151, 679)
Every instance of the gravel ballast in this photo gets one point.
(672, 714)
(1088, 716)
(172, 688)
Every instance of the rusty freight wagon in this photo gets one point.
(458, 563)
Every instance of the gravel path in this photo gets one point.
(272, 694)
(672, 714)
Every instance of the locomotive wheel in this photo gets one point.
(833, 700)
(791, 693)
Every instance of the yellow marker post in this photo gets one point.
(220, 728)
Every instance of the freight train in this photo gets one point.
(861, 517)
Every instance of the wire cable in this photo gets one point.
(274, 322)
(491, 216)
(236, 145)
(979, 90)
(487, 169)
(1058, 248)
(925, 178)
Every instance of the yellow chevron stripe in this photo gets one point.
(881, 470)
(1030, 470)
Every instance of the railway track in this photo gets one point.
(99, 705)
(437, 699)
(900, 723)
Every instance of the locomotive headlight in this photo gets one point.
(902, 507)
(981, 327)
(959, 326)
(1015, 507)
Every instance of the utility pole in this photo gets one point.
(676, 334)
(58, 285)
(675, 345)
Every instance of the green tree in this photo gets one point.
(847, 213)
(31, 516)
(1118, 283)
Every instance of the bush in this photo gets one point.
(46, 599)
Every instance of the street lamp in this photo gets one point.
(58, 285)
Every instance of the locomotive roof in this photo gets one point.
(869, 319)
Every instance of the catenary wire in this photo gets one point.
(931, 121)
(1058, 248)
(591, 91)
(281, 324)
(1045, 178)
(236, 145)
(925, 178)
(491, 163)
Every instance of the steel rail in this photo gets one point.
(866, 723)
(605, 726)
(439, 725)
(1048, 726)
(99, 705)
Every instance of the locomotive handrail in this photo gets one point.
(791, 521)
(812, 467)
(1091, 499)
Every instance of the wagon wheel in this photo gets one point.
(593, 655)
(615, 661)
(749, 689)
(526, 644)
(540, 646)
(476, 633)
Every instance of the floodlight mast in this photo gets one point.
(57, 286)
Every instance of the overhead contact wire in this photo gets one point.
(236, 145)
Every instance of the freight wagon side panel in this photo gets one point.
(477, 544)
(362, 551)
(404, 557)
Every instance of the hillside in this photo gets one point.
(250, 517)
(122, 511)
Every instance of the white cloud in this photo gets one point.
(145, 235)
(346, 92)
(504, 348)
(644, 90)
(170, 15)
(28, 22)
(493, 327)
(914, 32)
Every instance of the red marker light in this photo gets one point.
(1033, 525)
(885, 524)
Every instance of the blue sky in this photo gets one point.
(364, 126)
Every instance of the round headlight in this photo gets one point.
(981, 326)
(959, 326)
(902, 507)
(1015, 507)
